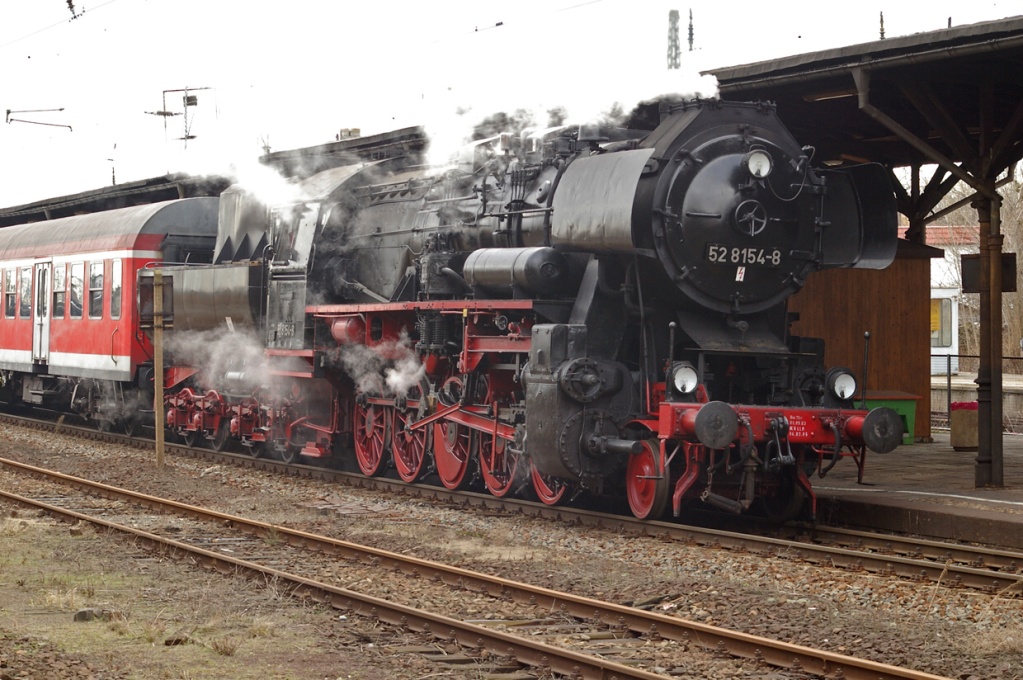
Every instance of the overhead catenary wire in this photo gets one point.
(59, 23)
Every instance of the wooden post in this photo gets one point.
(160, 414)
(989, 459)
(982, 470)
(995, 241)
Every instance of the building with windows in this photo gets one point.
(949, 307)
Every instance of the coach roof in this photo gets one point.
(119, 229)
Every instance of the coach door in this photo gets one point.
(41, 313)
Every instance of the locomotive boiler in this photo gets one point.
(567, 310)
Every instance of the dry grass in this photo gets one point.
(272, 537)
(10, 526)
(1009, 640)
(264, 627)
(63, 600)
(224, 646)
(228, 621)
(153, 631)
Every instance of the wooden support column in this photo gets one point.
(158, 364)
(917, 227)
(982, 470)
(990, 466)
(989, 471)
(995, 240)
(979, 171)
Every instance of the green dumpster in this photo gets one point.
(902, 403)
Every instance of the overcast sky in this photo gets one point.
(294, 73)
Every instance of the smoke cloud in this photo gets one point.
(452, 115)
(388, 369)
(218, 352)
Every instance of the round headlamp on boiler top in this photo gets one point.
(758, 163)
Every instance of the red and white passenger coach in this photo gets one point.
(69, 336)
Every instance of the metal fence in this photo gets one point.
(958, 372)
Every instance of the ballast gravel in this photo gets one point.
(954, 633)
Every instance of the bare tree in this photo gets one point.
(499, 122)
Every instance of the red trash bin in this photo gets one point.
(962, 421)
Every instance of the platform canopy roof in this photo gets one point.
(954, 95)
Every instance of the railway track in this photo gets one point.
(950, 564)
(540, 629)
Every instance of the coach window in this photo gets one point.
(115, 289)
(25, 302)
(77, 274)
(59, 290)
(96, 290)
(10, 294)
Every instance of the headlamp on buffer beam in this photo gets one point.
(684, 378)
(841, 383)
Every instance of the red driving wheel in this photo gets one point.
(646, 484)
(550, 490)
(370, 425)
(498, 464)
(408, 447)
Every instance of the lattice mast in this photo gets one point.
(674, 56)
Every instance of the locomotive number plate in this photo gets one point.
(764, 257)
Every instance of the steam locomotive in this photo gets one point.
(565, 310)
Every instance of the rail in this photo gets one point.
(981, 570)
(530, 652)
